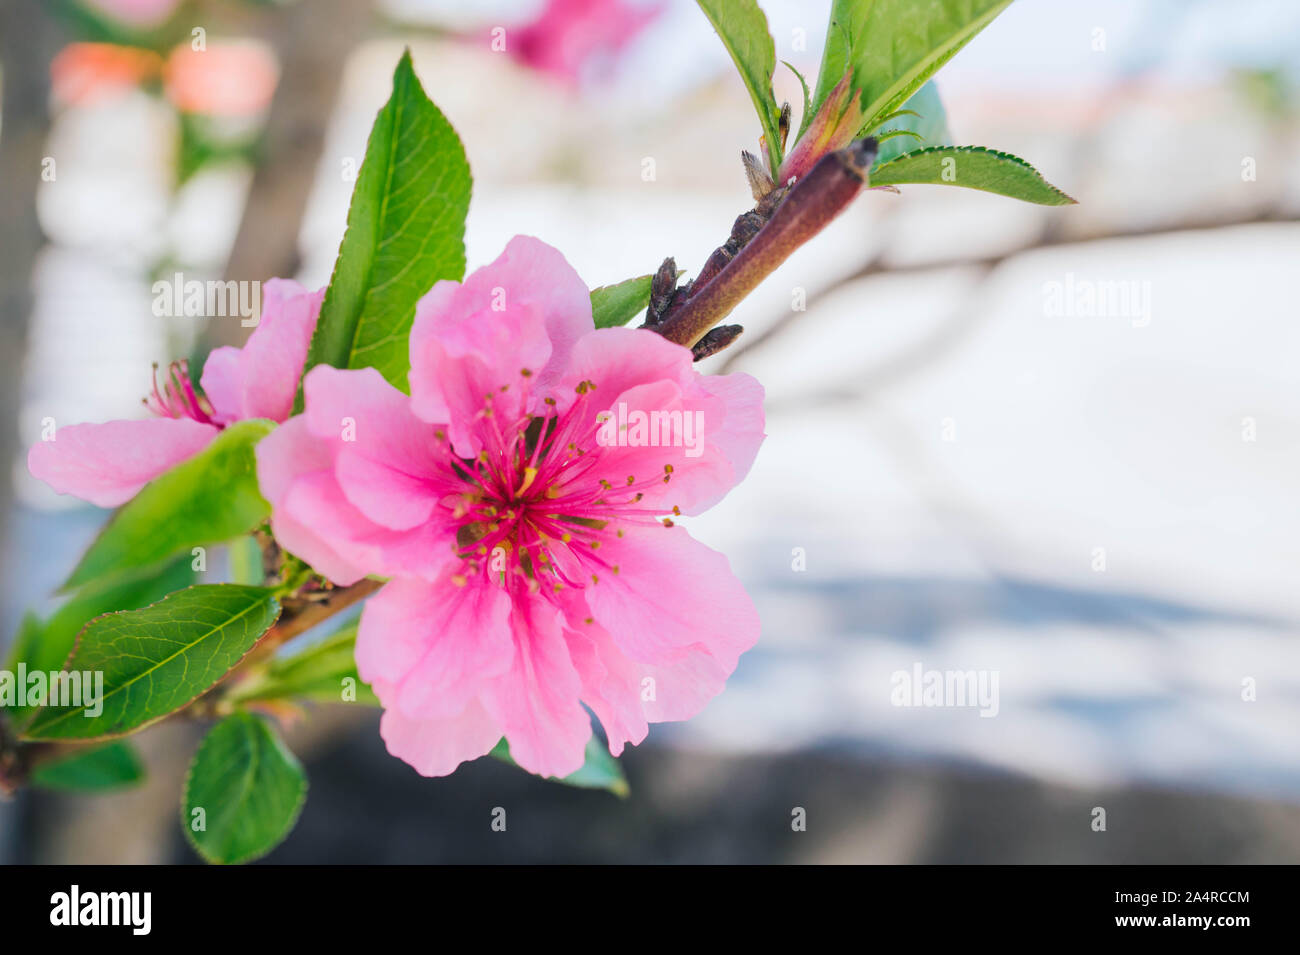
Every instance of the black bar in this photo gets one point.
(335, 905)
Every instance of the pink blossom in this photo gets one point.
(571, 37)
(226, 79)
(138, 13)
(107, 464)
(85, 73)
(229, 79)
(530, 569)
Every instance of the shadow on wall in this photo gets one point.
(918, 609)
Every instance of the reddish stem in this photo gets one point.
(811, 204)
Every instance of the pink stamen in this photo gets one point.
(177, 397)
(543, 506)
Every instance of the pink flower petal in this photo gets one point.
(626, 696)
(616, 359)
(317, 502)
(536, 702)
(523, 313)
(742, 428)
(571, 39)
(435, 747)
(386, 459)
(107, 464)
(672, 592)
(611, 685)
(707, 428)
(667, 435)
(427, 649)
(301, 540)
(261, 379)
(223, 383)
(681, 689)
(290, 453)
(313, 518)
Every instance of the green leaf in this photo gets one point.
(243, 793)
(92, 770)
(406, 229)
(156, 660)
(893, 46)
(206, 141)
(805, 113)
(207, 499)
(613, 305)
(742, 27)
(600, 771)
(318, 673)
(46, 646)
(26, 641)
(89, 22)
(927, 119)
(974, 167)
(245, 558)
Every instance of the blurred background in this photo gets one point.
(1096, 501)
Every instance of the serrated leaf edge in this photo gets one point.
(998, 154)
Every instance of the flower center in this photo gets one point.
(534, 508)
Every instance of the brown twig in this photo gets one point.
(301, 613)
(760, 241)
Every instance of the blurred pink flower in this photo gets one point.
(136, 13)
(107, 464)
(571, 38)
(86, 73)
(531, 572)
(226, 79)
